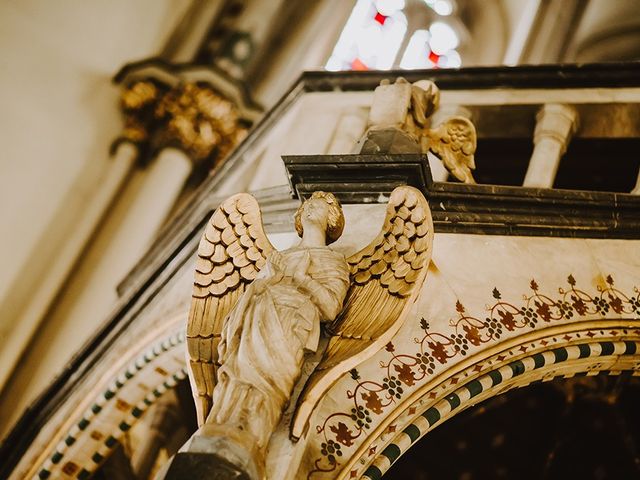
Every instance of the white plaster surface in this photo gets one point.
(60, 114)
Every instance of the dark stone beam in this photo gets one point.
(461, 208)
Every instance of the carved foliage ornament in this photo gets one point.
(138, 101)
(256, 310)
(198, 120)
(188, 116)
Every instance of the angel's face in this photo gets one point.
(315, 212)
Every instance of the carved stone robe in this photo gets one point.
(262, 346)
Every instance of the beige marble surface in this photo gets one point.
(465, 269)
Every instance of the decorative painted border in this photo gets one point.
(83, 468)
(466, 333)
(461, 398)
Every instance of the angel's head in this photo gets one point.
(322, 209)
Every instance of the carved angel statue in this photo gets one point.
(409, 107)
(256, 311)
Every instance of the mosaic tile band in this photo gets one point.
(453, 402)
(73, 467)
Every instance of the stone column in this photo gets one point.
(550, 32)
(555, 124)
(157, 191)
(33, 294)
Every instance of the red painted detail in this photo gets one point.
(357, 64)
(380, 18)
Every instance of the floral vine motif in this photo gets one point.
(402, 370)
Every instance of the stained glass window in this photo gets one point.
(433, 48)
(375, 32)
(371, 37)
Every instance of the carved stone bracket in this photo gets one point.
(138, 102)
(197, 120)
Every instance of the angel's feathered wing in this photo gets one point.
(232, 251)
(386, 279)
(454, 142)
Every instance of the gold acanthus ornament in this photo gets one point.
(256, 311)
(198, 120)
(189, 116)
(138, 101)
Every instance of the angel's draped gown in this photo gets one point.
(266, 334)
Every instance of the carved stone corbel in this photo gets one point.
(138, 102)
(194, 111)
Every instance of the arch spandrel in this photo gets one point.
(481, 298)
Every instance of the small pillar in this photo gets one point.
(555, 124)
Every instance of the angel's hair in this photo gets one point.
(335, 221)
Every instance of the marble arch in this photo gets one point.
(116, 401)
(585, 342)
(601, 347)
(587, 345)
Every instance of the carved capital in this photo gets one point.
(556, 121)
(138, 101)
(188, 116)
(197, 120)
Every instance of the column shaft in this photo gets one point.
(555, 123)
